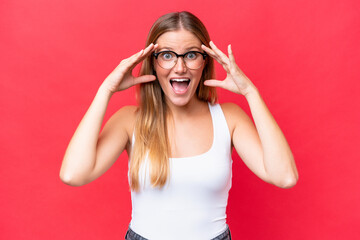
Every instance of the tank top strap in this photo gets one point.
(221, 129)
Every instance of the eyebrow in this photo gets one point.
(170, 48)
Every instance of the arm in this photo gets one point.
(80, 156)
(278, 159)
(89, 155)
(264, 149)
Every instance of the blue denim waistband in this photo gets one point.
(131, 235)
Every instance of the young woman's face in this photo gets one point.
(179, 83)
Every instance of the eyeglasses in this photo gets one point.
(168, 59)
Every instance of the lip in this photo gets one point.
(180, 78)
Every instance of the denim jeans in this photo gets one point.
(131, 235)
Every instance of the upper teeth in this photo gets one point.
(180, 79)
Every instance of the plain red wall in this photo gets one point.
(302, 55)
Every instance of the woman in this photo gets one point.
(178, 140)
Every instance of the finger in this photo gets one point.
(135, 56)
(144, 78)
(147, 51)
(143, 54)
(231, 56)
(215, 56)
(126, 63)
(218, 52)
(208, 50)
(213, 83)
(232, 59)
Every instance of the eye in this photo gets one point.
(191, 55)
(166, 55)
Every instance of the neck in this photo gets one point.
(194, 106)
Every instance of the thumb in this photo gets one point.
(144, 78)
(213, 83)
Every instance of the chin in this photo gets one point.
(179, 101)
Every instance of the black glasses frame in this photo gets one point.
(177, 57)
(180, 55)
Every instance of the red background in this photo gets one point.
(302, 55)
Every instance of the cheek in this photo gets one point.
(198, 74)
(160, 71)
(161, 75)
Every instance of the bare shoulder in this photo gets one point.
(126, 110)
(232, 111)
(123, 119)
(127, 114)
(234, 115)
(230, 107)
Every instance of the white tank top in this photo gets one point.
(192, 205)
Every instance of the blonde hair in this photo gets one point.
(151, 137)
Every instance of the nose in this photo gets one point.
(180, 65)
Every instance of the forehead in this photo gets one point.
(178, 40)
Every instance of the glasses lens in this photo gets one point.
(193, 60)
(167, 60)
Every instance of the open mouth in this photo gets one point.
(180, 85)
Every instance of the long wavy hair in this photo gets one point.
(151, 139)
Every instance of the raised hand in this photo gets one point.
(122, 78)
(235, 81)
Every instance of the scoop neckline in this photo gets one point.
(212, 144)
